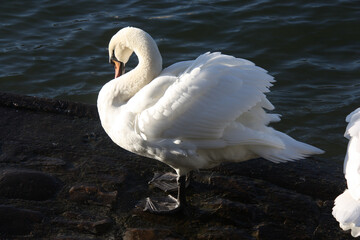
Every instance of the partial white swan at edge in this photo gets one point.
(346, 209)
(194, 114)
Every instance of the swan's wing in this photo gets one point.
(206, 98)
(353, 128)
(352, 131)
(153, 91)
(176, 69)
(352, 158)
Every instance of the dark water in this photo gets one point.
(57, 49)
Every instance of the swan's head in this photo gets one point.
(128, 40)
(119, 66)
(119, 52)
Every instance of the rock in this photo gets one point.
(148, 234)
(83, 223)
(272, 231)
(226, 232)
(48, 105)
(234, 212)
(75, 238)
(305, 176)
(102, 226)
(28, 185)
(109, 182)
(48, 163)
(251, 200)
(16, 221)
(327, 224)
(98, 227)
(90, 193)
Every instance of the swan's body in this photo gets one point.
(347, 205)
(193, 114)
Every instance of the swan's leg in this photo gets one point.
(181, 182)
(167, 182)
(168, 204)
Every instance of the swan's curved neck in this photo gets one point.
(118, 91)
(130, 40)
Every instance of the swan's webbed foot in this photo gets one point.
(168, 204)
(162, 205)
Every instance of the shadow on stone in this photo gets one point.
(28, 185)
(16, 221)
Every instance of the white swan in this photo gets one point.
(347, 205)
(193, 114)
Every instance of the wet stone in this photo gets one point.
(84, 222)
(271, 231)
(223, 233)
(48, 163)
(236, 187)
(235, 212)
(75, 238)
(92, 194)
(148, 234)
(251, 200)
(98, 227)
(327, 223)
(28, 185)
(110, 181)
(16, 221)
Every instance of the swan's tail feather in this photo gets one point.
(293, 150)
(346, 210)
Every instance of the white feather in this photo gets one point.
(346, 210)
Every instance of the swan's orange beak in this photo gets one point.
(119, 68)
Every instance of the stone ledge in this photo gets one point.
(65, 141)
(48, 105)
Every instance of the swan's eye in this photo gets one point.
(113, 59)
